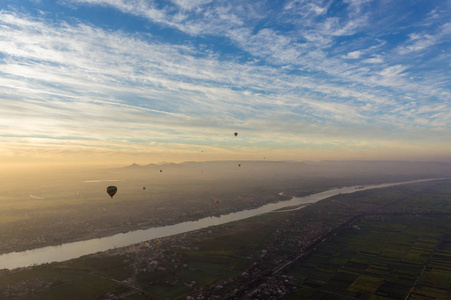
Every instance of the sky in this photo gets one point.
(142, 81)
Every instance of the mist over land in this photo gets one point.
(45, 207)
(390, 242)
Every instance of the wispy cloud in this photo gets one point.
(373, 60)
(419, 42)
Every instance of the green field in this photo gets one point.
(384, 254)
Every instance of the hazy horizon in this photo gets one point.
(51, 204)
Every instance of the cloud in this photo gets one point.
(418, 42)
(88, 86)
(393, 71)
(353, 55)
(306, 9)
(191, 17)
(304, 47)
(373, 60)
(142, 8)
(190, 4)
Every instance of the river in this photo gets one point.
(76, 249)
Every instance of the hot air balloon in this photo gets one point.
(161, 171)
(239, 165)
(111, 190)
(144, 187)
(236, 133)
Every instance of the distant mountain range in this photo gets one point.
(322, 168)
